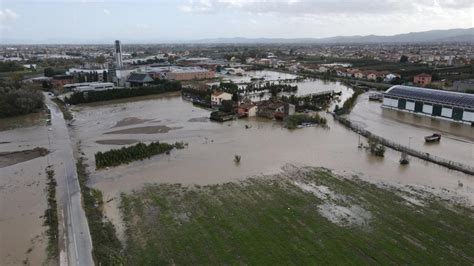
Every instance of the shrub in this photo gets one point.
(20, 101)
(125, 155)
(375, 147)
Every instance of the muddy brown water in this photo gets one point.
(457, 142)
(265, 148)
(23, 198)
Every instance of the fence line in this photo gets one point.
(415, 153)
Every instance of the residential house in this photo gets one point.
(247, 109)
(371, 75)
(275, 109)
(422, 79)
(218, 97)
(359, 74)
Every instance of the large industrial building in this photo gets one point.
(448, 105)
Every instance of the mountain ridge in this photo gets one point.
(450, 35)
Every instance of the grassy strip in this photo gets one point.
(293, 121)
(97, 96)
(66, 113)
(272, 221)
(107, 249)
(129, 154)
(348, 104)
(51, 215)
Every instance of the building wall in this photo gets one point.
(422, 80)
(189, 75)
(435, 110)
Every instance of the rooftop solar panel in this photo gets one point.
(457, 99)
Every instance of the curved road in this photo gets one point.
(79, 243)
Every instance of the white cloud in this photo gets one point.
(107, 12)
(7, 15)
(142, 26)
(321, 7)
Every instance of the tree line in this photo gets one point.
(96, 96)
(126, 155)
(19, 100)
(10, 66)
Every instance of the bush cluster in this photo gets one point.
(125, 155)
(19, 101)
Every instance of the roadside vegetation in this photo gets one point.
(62, 106)
(136, 152)
(51, 215)
(16, 101)
(293, 121)
(106, 247)
(96, 96)
(303, 217)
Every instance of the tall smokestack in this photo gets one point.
(118, 55)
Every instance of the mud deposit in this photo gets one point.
(117, 141)
(130, 121)
(144, 130)
(11, 158)
(199, 119)
(304, 216)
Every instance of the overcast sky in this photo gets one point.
(167, 20)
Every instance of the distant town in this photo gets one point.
(237, 153)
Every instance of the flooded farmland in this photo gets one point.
(264, 146)
(305, 86)
(22, 195)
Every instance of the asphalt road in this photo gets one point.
(79, 243)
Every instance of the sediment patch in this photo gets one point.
(199, 119)
(128, 121)
(144, 130)
(117, 141)
(14, 157)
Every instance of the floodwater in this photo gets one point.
(305, 86)
(265, 148)
(266, 75)
(22, 196)
(457, 142)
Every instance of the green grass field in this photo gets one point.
(305, 217)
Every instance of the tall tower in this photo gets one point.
(118, 55)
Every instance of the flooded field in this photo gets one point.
(457, 141)
(22, 195)
(265, 75)
(265, 148)
(305, 86)
(304, 216)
